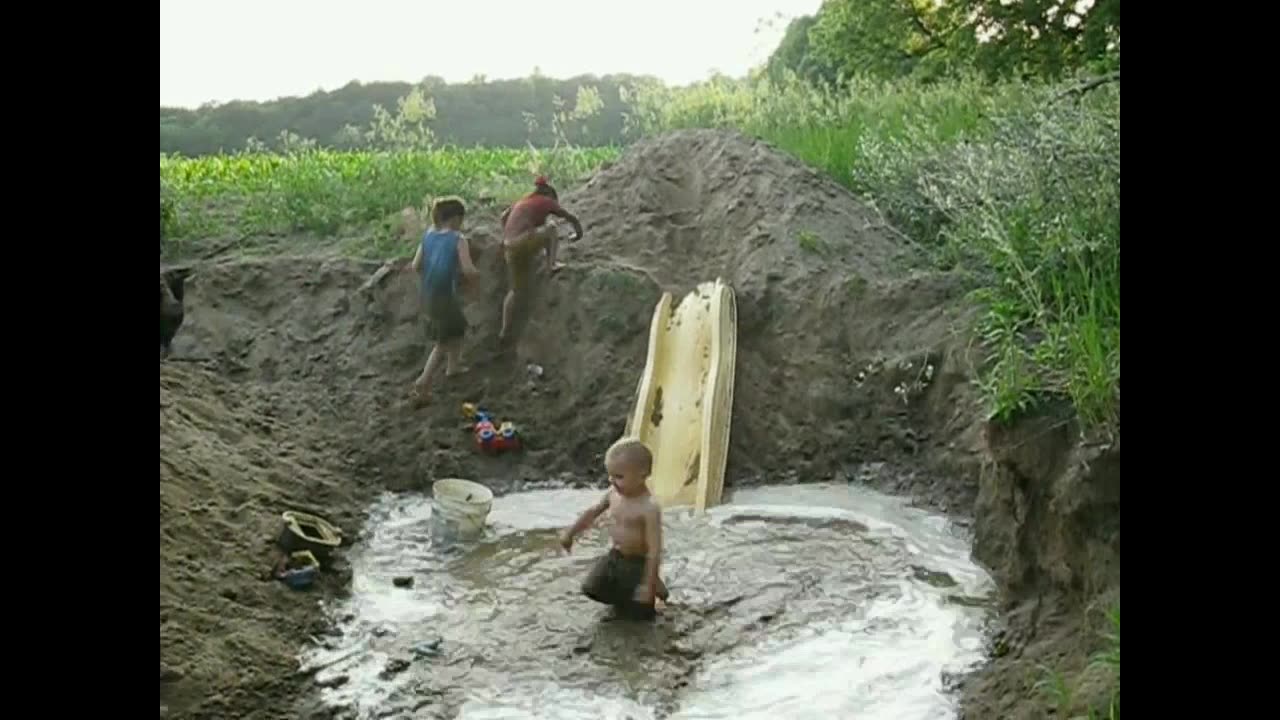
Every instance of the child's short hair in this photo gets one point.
(633, 453)
(447, 208)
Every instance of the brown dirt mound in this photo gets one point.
(229, 465)
(823, 287)
(846, 357)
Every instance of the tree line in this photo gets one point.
(504, 113)
(885, 39)
(929, 39)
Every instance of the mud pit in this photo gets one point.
(787, 602)
(848, 359)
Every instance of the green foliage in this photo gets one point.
(880, 38)
(1035, 207)
(303, 189)
(479, 112)
(1062, 694)
(1008, 182)
(323, 192)
(1042, 38)
(887, 39)
(1110, 656)
(408, 128)
(794, 55)
(810, 242)
(167, 214)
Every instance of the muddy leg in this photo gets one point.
(553, 247)
(453, 358)
(508, 309)
(422, 385)
(509, 302)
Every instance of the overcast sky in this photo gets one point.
(220, 50)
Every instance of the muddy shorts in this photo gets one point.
(613, 581)
(445, 320)
(522, 252)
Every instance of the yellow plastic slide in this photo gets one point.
(684, 403)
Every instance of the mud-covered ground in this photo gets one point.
(288, 380)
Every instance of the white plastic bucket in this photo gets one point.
(459, 508)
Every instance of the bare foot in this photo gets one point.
(418, 397)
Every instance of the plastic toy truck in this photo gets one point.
(491, 437)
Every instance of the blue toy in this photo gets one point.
(491, 436)
(301, 577)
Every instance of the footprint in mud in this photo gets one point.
(936, 578)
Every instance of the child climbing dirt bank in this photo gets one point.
(849, 356)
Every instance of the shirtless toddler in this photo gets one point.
(627, 576)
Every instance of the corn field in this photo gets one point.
(323, 192)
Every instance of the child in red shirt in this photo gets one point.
(524, 233)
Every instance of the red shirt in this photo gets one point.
(528, 213)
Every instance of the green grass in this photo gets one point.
(1110, 659)
(1060, 693)
(810, 242)
(330, 193)
(1009, 183)
(1006, 183)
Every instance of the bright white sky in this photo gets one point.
(221, 50)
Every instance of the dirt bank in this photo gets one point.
(851, 360)
(1047, 523)
(232, 458)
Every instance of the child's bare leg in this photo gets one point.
(422, 386)
(553, 247)
(509, 302)
(508, 309)
(453, 358)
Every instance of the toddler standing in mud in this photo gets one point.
(443, 262)
(626, 577)
(524, 234)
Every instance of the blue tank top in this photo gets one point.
(440, 263)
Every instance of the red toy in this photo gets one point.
(491, 439)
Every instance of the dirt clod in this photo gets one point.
(394, 667)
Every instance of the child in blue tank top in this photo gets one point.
(443, 262)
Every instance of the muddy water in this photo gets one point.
(794, 601)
